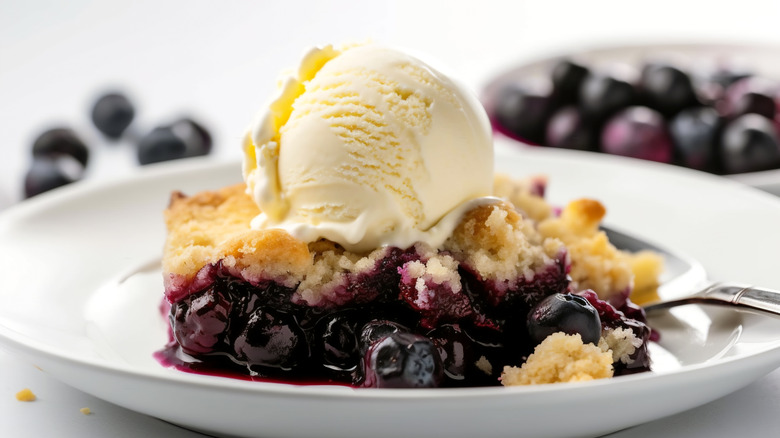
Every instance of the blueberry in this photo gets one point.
(196, 136)
(455, 349)
(199, 322)
(183, 139)
(750, 143)
(338, 340)
(403, 360)
(666, 89)
(567, 77)
(271, 339)
(375, 330)
(61, 141)
(601, 95)
(112, 114)
(523, 109)
(47, 173)
(695, 133)
(637, 132)
(564, 313)
(161, 144)
(751, 95)
(567, 129)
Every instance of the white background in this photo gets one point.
(218, 61)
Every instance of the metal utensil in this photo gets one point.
(683, 274)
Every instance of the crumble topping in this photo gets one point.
(622, 342)
(500, 245)
(561, 358)
(596, 263)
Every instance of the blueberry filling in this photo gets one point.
(375, 333)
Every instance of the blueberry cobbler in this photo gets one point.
(371, 245)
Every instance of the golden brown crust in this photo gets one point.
(213, 226)
(496, 240)
(561, 358)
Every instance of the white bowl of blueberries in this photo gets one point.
(710, 107)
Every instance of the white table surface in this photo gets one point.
(218, 61)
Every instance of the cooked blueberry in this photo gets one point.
(200, 321)
(455, 350)
(637, 132)
(523, 109)
(567, 129)
(602, 95)
(750, 144)
(666, 89)
(47, 173)
(567, 78)
(566, 313)
(338, 340)
(112, 114)
(271, 339)
(376, 330)
(694, 133)
(751, 95)
(162, 144)
(195, 136)
(61, 141)
(403, 360)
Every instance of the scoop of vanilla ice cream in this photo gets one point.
(368, 146)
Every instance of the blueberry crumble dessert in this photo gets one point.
(371, 245)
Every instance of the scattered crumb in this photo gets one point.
(561, 358)
(483, 364)
(25, 395)
(85, 411)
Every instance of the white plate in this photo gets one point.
(80, 286)
(699, 59)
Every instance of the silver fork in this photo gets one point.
(683, 274)
(729, 294)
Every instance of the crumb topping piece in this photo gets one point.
(561, 358)
(25, 395)
(500, 245)
(213, 226)
(596, 263)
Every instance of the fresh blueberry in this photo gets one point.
(666, 89)
(523, 109)
(602, 95)
(161, 144)
(112, 114)
(750, 143)
(61, 141)
(695, 133)
(638, 132)
(195, 136)
(567, 77)
(200, 321)
(403, 360)
(567, 129)
(183, 139)
(47, 173)
(566, 313)
(271, 339)
(751, 95)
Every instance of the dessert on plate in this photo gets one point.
(371, 245)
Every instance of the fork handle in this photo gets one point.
(742, 295)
